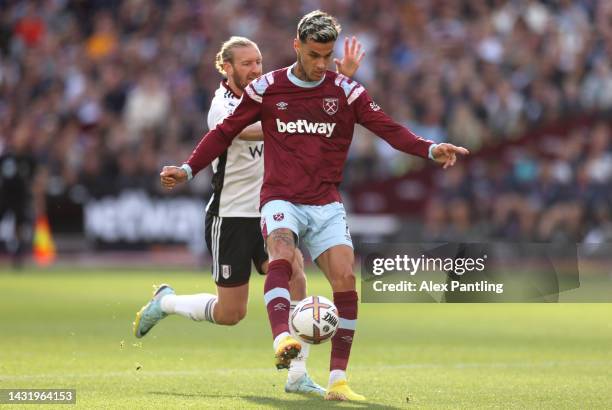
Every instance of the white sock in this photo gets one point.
(195, 307)
(297, 368)
(336, 375)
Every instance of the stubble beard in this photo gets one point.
(240, 83)
(300, 68)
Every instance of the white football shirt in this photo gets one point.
(238, 172)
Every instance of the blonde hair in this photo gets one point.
(226, 55)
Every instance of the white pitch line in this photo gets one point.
(158, 373)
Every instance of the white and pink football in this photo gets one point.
(314, 320)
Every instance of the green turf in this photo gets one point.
(67, 329)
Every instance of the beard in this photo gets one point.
(241, 82)
(302, 67)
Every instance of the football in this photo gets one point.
(314, 320)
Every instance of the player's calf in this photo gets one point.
(346, 302)
(338, 388)
(343, 280)
(297, 285)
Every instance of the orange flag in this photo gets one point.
(44, 248)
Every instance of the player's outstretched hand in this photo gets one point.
(171, 176)
(351, 59)
(446, 154)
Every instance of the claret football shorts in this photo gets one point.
(318, 227)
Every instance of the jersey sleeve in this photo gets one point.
(218, 139)
(369, 114)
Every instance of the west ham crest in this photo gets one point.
(279, 216)
(330, 105)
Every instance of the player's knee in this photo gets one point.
(281, 245)
(235, 318)
(231, 317)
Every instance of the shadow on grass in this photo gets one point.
(305, 402)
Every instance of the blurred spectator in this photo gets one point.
(597, 86)
(18, 170)
(147, 106)
(100, 83)
(464, 128)
(103, 41)
(29, 27)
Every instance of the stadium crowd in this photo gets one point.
(109, 91)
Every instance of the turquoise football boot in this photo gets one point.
(304, 385)
(151, 313)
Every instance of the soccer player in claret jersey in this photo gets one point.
(308, 114)
(233, 234)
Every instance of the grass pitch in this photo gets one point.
(72, 329)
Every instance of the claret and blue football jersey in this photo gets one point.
(308, 128)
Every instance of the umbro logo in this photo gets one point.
(280, 306)
(282, 105)
(347, 339)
